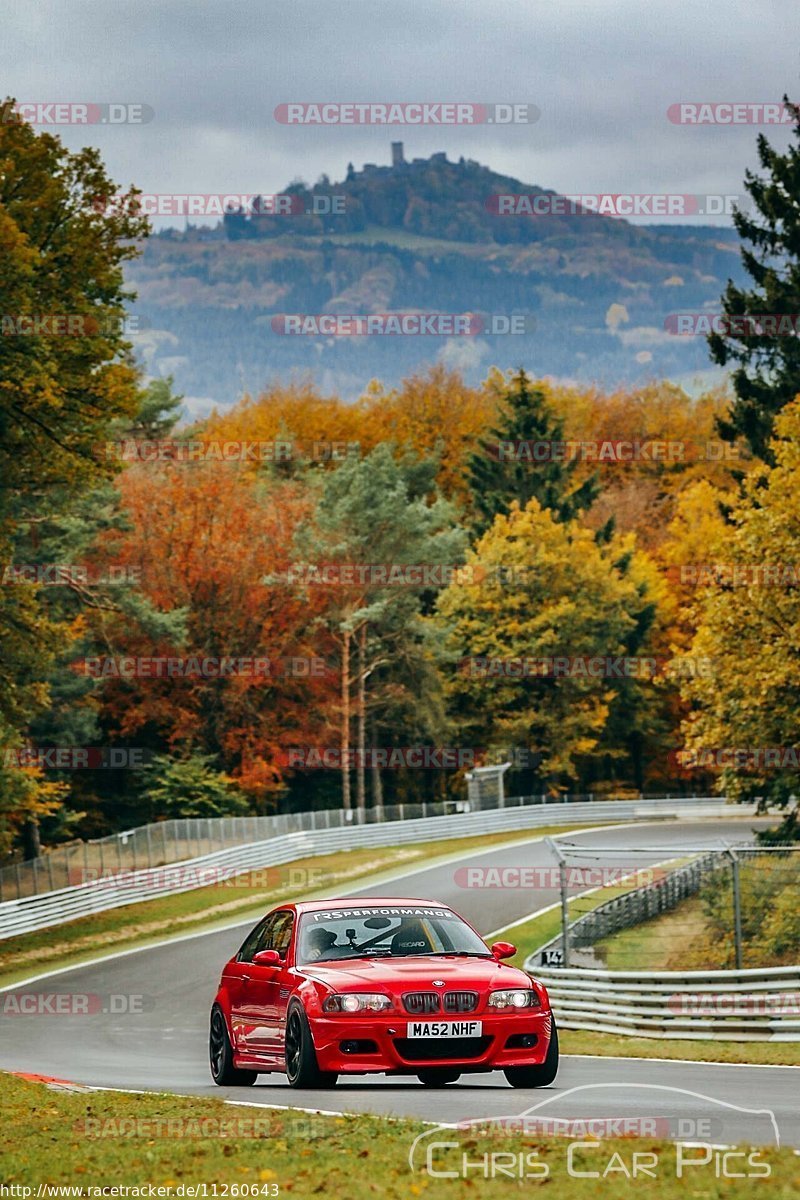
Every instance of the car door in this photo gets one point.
(283, 982)
(261, 989)
(245, 1015)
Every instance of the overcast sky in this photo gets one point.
(603, 73)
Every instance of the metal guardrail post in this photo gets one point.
(562, 875)
(737, 908)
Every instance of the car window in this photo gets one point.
(257, 938)
(281, 933)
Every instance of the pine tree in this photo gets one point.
(514, 463)
(767, 367)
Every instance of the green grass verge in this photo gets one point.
(104, 1139)
(583, 1041)
(222, 904)
(658, 944)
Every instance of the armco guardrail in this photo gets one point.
(116, 890)
(747, 1005)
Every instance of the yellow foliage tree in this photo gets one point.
(749, 628)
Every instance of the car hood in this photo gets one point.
(416, 973)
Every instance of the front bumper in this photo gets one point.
(358, 1044)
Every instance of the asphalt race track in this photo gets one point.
(164, 1047)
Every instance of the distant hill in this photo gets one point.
(423, 236)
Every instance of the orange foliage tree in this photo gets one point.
(208, 538)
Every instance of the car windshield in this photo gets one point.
(390, 932)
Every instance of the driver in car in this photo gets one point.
(318, 942)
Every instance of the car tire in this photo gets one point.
(220, 1053)
(541, 1074)
(437, 1076)
(302, 1069)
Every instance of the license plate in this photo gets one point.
(444, 1029)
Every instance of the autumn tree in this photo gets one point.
(544, 589)
(437, 415)
(749, 630)
(295, 427)
(207, 538)
(90, 596)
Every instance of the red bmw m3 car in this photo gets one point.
(400, 987)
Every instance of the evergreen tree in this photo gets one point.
(766, 373)
(520, 461)
(375, 512)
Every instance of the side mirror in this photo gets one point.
(503, 950)
(267, 958)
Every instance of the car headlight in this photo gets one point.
(515, 998)
(353, 1002)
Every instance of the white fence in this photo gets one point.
(740, 1006)
(30, 913)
